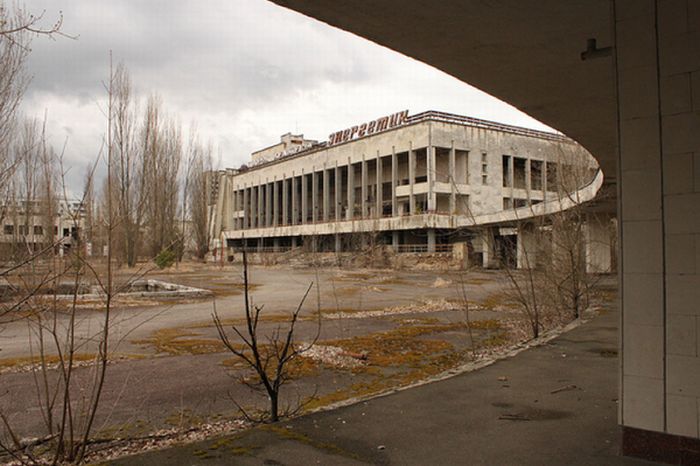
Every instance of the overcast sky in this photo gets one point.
(246, 71)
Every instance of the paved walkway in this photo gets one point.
(555, 404)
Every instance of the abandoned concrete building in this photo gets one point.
(430, 182)
(31, 226)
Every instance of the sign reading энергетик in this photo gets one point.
(371, 127)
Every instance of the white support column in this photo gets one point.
(598, 244)
(364, 187)
(276, 244)
(528, 176)
(261, 205)
(285, 201)
(431, 240)
(394, 182)
(489, 260)
(275, 202)
(253, 207)
(411, 179)
(338, 246)
(379, 203)
(268, 204)
(295, 201)
(526, 247)
(430, 167)
(395, 240)
(246, 208)
(314, 195)
(351, 191)
(326, 194)
(304, 197)
(451, 178)
(338, 188)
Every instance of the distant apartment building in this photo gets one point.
(418, 183)
(30, 226)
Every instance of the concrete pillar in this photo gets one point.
(294, 242)
(261, 206)
(338, 195)
(295, 200)
(253, 207)
(395, 240)
(351, 191)
(314, 243)
(431, 240)
(511, 174)
(276, 244)
(275, 203)
(411, 180)
(526, 254)
(326, 194)
(430, 162)
(528, 176)
(364, 187)
(379, 207)
(453, 187)
(314, 195)
(261, 245)
(246, 208)
(488, 249)
(394, 182)
(268, 204)
(285, 201)
(304, 197)
(598, 245)
(338, 244)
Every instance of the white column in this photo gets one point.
(598, 244)
(295, 200)
(430, 163)
(326, 193)
(451, 178)
(379, 203)
(285, 201)
(431, 240)
(268, 204)
(275, 202)
(364, 187)
(338, 192)
(411, 180)
(351, 191)
(314, 195)
(526, 247)
(394, 182)
(304, 197)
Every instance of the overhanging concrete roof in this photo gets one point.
(525, 52)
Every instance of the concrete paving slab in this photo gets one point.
(554, 404)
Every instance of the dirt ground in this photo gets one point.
(379, 329)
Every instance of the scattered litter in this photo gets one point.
(513, 417)
(441, 283)
(333, 356)
(502, 378)
(565, 388)
(381, 447)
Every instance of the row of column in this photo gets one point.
(289, 201)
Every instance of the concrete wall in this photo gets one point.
(658, 67)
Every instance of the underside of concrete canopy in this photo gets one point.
(527, 53)
(601, 72)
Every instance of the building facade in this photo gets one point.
(419, 183)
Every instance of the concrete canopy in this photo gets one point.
(525, 52)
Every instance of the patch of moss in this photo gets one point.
(178, 341)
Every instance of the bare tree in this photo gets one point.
(161, 142)
(269, 361)
(198, 197)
